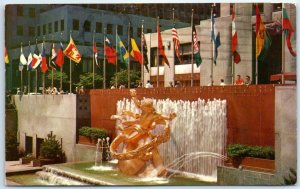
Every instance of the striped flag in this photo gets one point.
(176, 43)
(145, 51)
(44, 61)
(234, 41)
(52, 64)
(29, 60)
(288, 30)
(196, 47)
(135, 52)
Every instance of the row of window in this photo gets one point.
(20, 11)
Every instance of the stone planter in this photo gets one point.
(85, 140)
(25, 160)
(41, 162)
(259, 164)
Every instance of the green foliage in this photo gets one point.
(85, 131)
(56, 76)
(135, 77)
(86, 80)
(98, 133)
(51, 148)
(292, 179)
(11, 145)
(240, 150)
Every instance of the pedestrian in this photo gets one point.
(149, 85)
(222, 83)
(239, 80)
(248, 80)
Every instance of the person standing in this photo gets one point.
(248, 80)
(149, 85)
(239, 80)
(222, 83)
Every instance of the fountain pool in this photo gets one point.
(86, 173)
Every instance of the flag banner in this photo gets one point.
(21, 66)
(110, 54)
(52, 64)
(176, 43)
(95, 51)
(44, 66)
(29, 60)
(59, 61)
(288, 30)
(6, 60)
(215, 39)
(72, 52)
(196, 47)
(135, 52)
(263, 40)
(121, 50)
(234, 41)
(145, 52)
(160, 47)
(23, 60)
(36, 58)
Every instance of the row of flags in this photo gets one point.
(263, 43)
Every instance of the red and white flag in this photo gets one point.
(176, 43)
(160, 46)
(72, 52)
(236, 55)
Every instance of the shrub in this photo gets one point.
(51, 148)
(240, 150)
(98, 133)
(85, 131)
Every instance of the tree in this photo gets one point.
(86, 80)
(56, 77)
(135, 78)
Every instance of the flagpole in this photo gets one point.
(70, 68)
(22, 73)
(157, 56)
(232, 59)
(283, 49)
(62, 64)
(104, 62)
(256, 60)
(212, 51)
(128, 69)
(174, 48)
(28, 73)
(142, 48)
(116, 75)
(93, 60)
(36, 73)
(192, 61)
(43, 76)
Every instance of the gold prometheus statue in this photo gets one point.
(135, 147)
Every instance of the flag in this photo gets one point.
(95, 51)
(160, 46)
(234, 41)
(44, 61)
(121, 50)
(263, 40)
(20, 66)
(36, 58)
(72, 52)
(110, 52)
(29, 60)
(215, 39)
(196, 47)
(288, 30)
(135, 52)
(52, 64)
(176, 43)
(23, 60)
(59, 61)
(145, 51)
(6, 60)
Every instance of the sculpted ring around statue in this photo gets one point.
(135, 146)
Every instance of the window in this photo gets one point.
(19, 10)
(38, 30)
(109, 29)
(20, 30)
(44, 29)
(98, 27)
(87, 26)
(62, 25)
(75, 24)
(32, 12)
(149, 30)
(120, 30)
(56, 26)
(31, 31)
(49, 28)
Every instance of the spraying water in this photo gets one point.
(198, 134)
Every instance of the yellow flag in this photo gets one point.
(6, 60)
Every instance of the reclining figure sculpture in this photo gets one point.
(135, 147)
